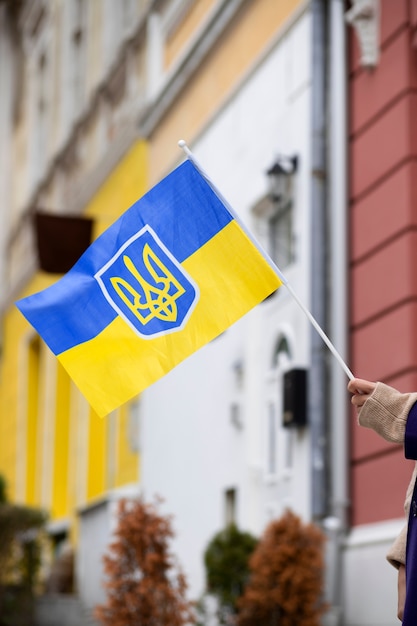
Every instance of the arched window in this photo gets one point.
(278, 440)
(281, 353)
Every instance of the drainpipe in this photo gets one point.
(339, 255)
(336, 523)
(317, 386)
(328, 298)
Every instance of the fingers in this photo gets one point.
(359, 400)
(361, 390)
(361, 386)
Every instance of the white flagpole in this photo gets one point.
(182, 144)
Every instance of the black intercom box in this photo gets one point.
(295, 398)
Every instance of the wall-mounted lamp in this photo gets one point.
(364, 18)
(280, 176)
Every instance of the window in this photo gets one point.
(73, 59)
(133, 431)
(32, 494)
(279, 443)
(119, 17)
(288, 435)
(280, 234)
(230, 506)
(236, 404)
(40, 88)
(274, 227)
(282, 352)
(129, 15)
(37, 37)
(272, 440)
(236, 415)
(77, 66)
(274, 213)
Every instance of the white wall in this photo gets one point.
(192, 452)
(95, 525)
(369, 581)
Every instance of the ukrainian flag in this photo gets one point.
(167, 277)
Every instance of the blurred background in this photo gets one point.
(303, 113)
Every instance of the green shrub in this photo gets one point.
(226, 561)
(19, 559)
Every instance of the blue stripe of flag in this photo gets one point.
(183, 211)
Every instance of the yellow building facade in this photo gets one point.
(102, 95)
(55, 452)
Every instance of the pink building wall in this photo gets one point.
(383, 252)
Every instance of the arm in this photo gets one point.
(387, 411)
(382, 408)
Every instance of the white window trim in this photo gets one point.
(283, 473)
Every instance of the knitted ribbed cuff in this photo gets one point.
(386, 411)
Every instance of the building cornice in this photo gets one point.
(107, 89)
(185, 68)
(141, 123)
(76, 203)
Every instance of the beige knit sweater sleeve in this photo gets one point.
(386, 412)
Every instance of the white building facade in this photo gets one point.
(213, 434)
